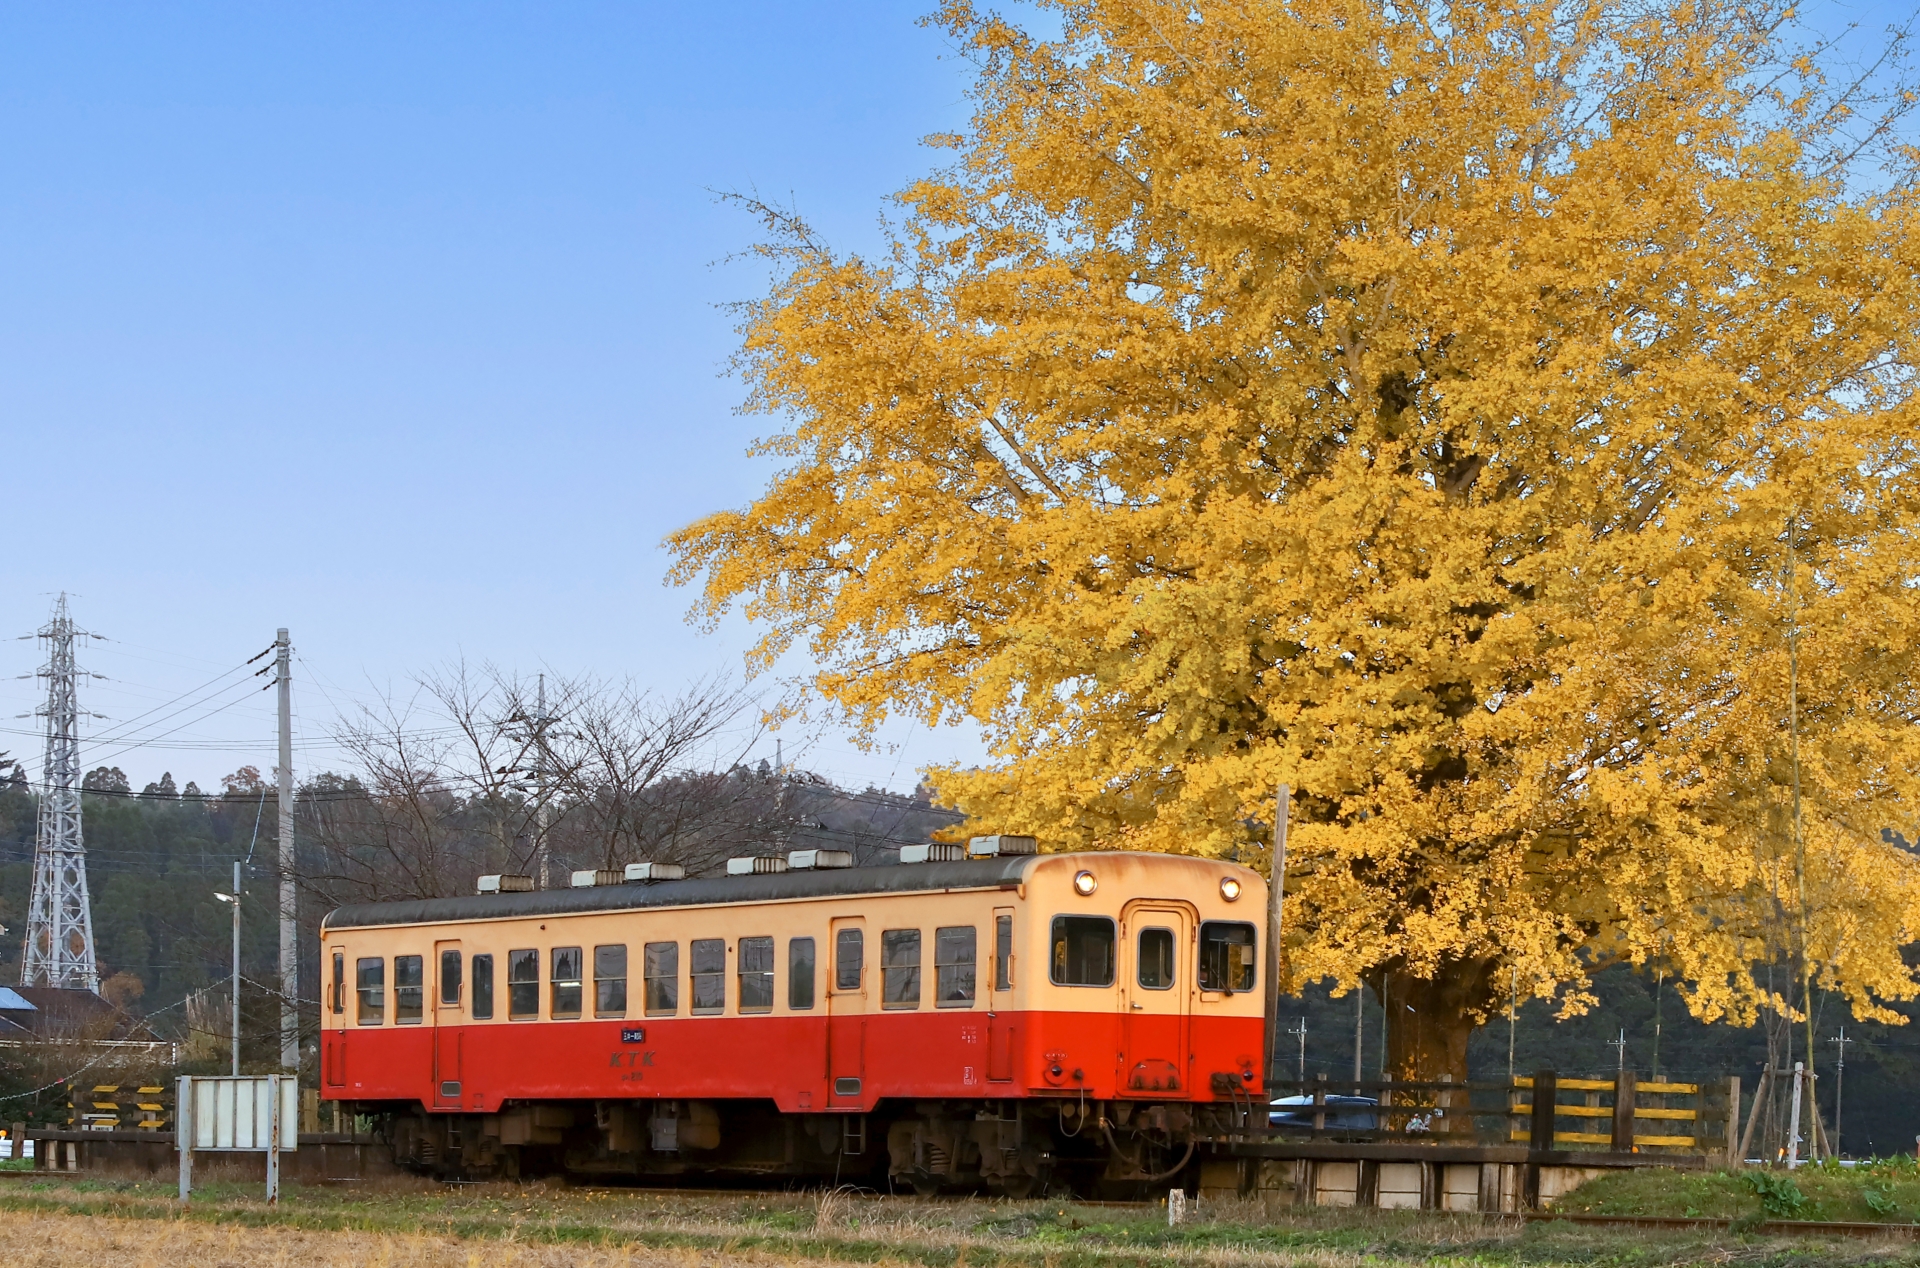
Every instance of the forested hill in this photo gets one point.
(156, 857)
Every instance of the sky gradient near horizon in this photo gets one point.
(403, 326)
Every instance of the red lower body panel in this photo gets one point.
(791, 1060)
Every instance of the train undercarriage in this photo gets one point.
(1014, 1147)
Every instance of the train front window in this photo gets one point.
(564, 983)
(756, 975)
(1226, 956)
(708, 966)
(663, 978)
(1082, 952)
(610, 981)
(339, 982)
(799, 973)
(409, 989)
(1156, 959)
(450, 978)
(523, 984)
(483, 987)
(848, 959)
(370, 990)
(954, 951)
(900, 968)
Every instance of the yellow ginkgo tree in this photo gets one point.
(1492, 421)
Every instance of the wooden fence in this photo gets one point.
(1544, 1112)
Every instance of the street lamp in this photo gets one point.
(233, 900)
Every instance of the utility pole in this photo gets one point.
(540, 786)
(233, 900)
(1513, 1009)
(1839, 1083)
(1658, 986)
(1359, 1031)
(1276, 926)
(289, 897)
(1620, 1045)
(1300, 1030)
(59, 939)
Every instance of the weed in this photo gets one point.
(1779, 1196)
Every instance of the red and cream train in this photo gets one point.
(997, 1021)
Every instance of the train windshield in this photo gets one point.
(1082, 951)
(1226, 956)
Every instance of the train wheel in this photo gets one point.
(1016, 1188)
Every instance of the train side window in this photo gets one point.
(707, 964)
(849, 960)
(1226, 956)
(756, 975)
(1082, 951)
(799, 973)
(339, 982)
(409, 989)
(523, 984)
(483, 987)
(370, 989)
(1003, 953)
(563, 982)
(450, 978)
(663, 977)
(610, 981)
(954, 956)
(1155, 969)
(900, 968)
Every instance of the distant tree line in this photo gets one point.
(458, 779)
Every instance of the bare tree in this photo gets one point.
(469, 774)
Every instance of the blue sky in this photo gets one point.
(398, 324)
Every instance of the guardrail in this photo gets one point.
(118, 1107)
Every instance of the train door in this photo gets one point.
(334, 1054)
(847, 1011)
(449, 1017)
(1157, 985)
(1000, 1016)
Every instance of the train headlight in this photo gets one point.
(1084, 884)
(1230, 888)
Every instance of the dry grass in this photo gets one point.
(60, 1241)
(106, 1224)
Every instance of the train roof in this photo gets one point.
(1000, 872)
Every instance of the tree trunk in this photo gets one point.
(1429, 1020)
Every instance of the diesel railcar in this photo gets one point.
(1002, 1022)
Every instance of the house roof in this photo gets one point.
(11, 1000)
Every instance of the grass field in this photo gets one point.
(1884, 1192)
(94, 1223)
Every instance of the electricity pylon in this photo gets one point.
(59, 945)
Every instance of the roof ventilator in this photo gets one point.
(989, 847)
(933, 852)
(504, 885)
(807, 860)
(756, 865)
(597, 876)
(655, 872)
